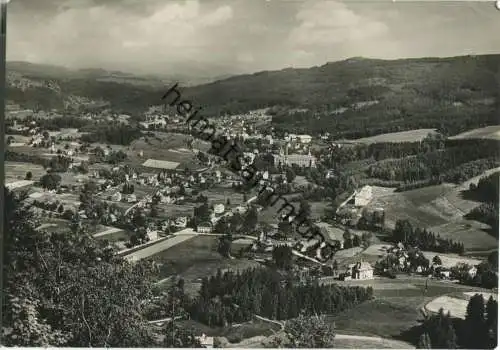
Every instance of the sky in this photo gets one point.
(223, 37)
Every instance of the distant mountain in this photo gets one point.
(360, 97)
(356, 97)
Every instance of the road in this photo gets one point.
(144, 200)
(164, 320)
(157, 248)
(395, 344)
(296, 253)
(281, 324)
(181, 233)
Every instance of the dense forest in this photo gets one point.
(410, 165)
(236, 297)
(486, 191)
(441, 163)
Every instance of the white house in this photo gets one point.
(472, 271)
(304, 138)
(181, 222)
(363, 197)
(116, 197)
(152, 234)
(206, 342)
(240, 209)
(204, 228)
(361, 270)
(219, 208)
(132, 198)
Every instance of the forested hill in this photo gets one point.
(360, 97)
(354, 97)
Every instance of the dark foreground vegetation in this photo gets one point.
(67, 289)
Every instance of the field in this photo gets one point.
(195, 259)
(355, 342)
(71, 179)
(165, 146)
(158, 247)
(455, 306)
(111, 234)
(66, 199)
(440, 209)
(449, 260)
(18, 139)
(15, 171)
(353, 255)
(175, 210)
(404, 136)
(219, 195)
(489, 132)
(472, 234)
(55, 225)
(396, 307)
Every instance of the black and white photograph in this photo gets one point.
(249, 173)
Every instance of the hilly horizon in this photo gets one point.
(376, 94)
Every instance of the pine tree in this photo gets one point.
(492, 320)
(475, 325)
(424, 342)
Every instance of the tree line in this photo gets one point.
(486, 191)
(425, 240)
(120, 134)
(235, 297)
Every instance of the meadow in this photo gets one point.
(15, 171)
(403, 136)
(396, 307)
(195, 259)
(488, 132)
(165, 146)
(440, 209)
(220, 195)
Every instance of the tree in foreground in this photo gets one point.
(179, 337)
(438, 332)
(424, 342)
(307, 332)
(481, 323)
(67, 289)
(283, 257)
